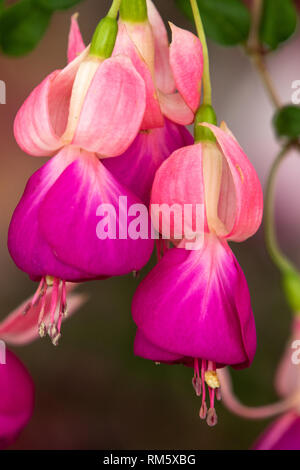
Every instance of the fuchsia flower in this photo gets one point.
(90, 110)
(194, 306)
(16, 399)
(284, 433)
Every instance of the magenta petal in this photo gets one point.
(113, 109)
(16, 399)
(283, 434)
(76, 44)
(137, 166)
(69, 219)
(147, 350)
(26, 245)
(197, 304)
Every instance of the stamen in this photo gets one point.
(54, 299)
(36, 298)
(212, 418)
(56, 339)
(42, 329)
(41, 324)
(196, 381)
(203, 410)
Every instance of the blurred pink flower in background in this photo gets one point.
(284, 433)
(16, 399)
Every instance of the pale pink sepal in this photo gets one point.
(175, 109)
(163, 73)
(75, 43)
(241, 196)
(109, 129)
(186, 59)
(41, 120)
(179, 183)
(153, 117)
(18, 329)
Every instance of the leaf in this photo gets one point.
(279, 21)
(226, 22)
(22, 25)
(287, 122)
(53, 5)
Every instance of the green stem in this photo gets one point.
(206, 73)
(269, 219)
(114, 9)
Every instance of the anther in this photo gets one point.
(56, 339)
(52, 330)
(212, 418)
(203, 411)
(196, 382)
(218, 394)
(42, 329)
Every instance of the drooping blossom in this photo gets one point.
(194, 306)
(16, 399)
(90, 110)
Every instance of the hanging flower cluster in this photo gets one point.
(113, 122)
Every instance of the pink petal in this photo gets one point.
(137, 166)
(69, 219)
(241, 198)
(175, 109)
(197, 304)
(179, 181)
(163, 73)
(18, 329)
(124, 45)
(186, 59)
(16, 399)
(76, 44)
(26, 245)
(113, 109)
(42, 118)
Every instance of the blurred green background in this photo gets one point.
(91, 392)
